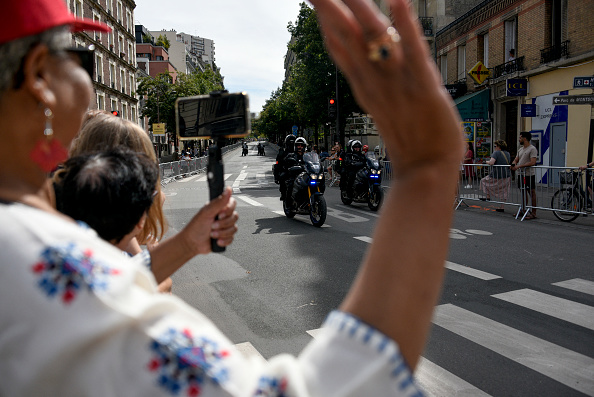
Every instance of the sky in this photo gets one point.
(250, 37)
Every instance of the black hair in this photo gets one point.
(526, 134)
(110, 190)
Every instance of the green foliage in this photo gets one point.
(161, 93)
(303, 99)
(162, 40)
(147, 38)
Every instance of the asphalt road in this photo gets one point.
(516, 316)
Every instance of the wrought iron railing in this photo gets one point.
(509, 67)
(554, 52)
(427, 24)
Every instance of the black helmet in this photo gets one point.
(289, 143)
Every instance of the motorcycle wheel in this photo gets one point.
(288, 212)
(376, 197)
(317, 212)
(344, 196)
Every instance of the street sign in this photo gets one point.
(479, 72)
(295, 129)
(528, 110)
(573, 100)
(159, 129)
(583, 82)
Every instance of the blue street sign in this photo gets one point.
(295, 129)
(528, 110)
(517, 87)
(583, 82)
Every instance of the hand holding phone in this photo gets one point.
(216, 182)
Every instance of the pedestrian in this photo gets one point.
(85, 320)
(468, 169)
(523, 163)
(496, 184)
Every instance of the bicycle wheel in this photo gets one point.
(565, 200)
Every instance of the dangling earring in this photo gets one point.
(48, 152)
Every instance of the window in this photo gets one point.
(99, 67)
(129, 22)
(78, 8)
(444, 68)
(122, 81)
(511, 29)
(558, 21)
(110, 38)
(100, 102)
(132, 86)
(133, 114)
(114, 104)
(112, 75)
(482, 48)
(124, 111)
(461, 62)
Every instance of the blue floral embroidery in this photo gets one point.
(66, 269)
(187, 362)
(271, 387)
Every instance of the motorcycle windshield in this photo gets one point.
(312, 160)
(372, 161)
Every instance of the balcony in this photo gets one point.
(555, 52)
(509, 67)
(427, 24)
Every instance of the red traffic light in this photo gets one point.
(115, 113)
(331, 101)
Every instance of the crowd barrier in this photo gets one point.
(562, 190)
(182, 168)
(335, 177)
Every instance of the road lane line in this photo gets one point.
(436, 381)
(573, 312)
(563, 365)
(249, 351)
(345, 216)
(577, 284)
(470, 271)
(365, 239)
(249, 200)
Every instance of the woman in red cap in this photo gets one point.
(79, 319)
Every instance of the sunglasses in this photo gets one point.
(86, 56)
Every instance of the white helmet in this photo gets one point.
(301, 140)
(356, 143)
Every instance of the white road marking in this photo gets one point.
(577, 284)
(249, 351)
(573, 312)
(438, 382)
(249, 200)
(345, 216)
(245, 166)
(365, 239)
(470, 271)
(563, 365)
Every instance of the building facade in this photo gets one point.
(114, 79)
(533, 49)
(189, 53)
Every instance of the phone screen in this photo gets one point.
(219, 115)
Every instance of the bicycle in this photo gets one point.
(571, 201)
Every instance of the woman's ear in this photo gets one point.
(36, 75)
(141, 222)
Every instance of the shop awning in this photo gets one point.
(475, 106)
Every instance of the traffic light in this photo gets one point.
(115, 113)
(331, 108)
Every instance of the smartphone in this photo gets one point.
(213, 116)
(218, 115)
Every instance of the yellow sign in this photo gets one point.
(159, 129)
(479, 73)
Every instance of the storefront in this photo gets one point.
(476, 124)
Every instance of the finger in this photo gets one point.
(213, 207)
(228, 210)
(372, 21)
(225, 223)
(413, 45)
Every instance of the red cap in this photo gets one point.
(21, 18)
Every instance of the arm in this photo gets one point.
(400, 280)
(194, 239)
(588, 165)
(491, 161)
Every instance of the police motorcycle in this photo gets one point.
(307, 193)
(367, 186)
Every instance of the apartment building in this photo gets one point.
(114, 79)
(533, 50)
(188, 53)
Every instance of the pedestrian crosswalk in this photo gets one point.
(534, 353)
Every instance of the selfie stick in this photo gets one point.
(216, 181)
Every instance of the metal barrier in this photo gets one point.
(182, 168)
(562, 190)
(333, 181)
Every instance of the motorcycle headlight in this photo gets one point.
(314, 176)
(374, 171)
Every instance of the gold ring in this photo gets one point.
(380, 48)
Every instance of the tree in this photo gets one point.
(162, 40)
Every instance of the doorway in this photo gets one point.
(558, 147)
(510, 110)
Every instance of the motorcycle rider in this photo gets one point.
(355, 160)
(291, 160)
(280, 175)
